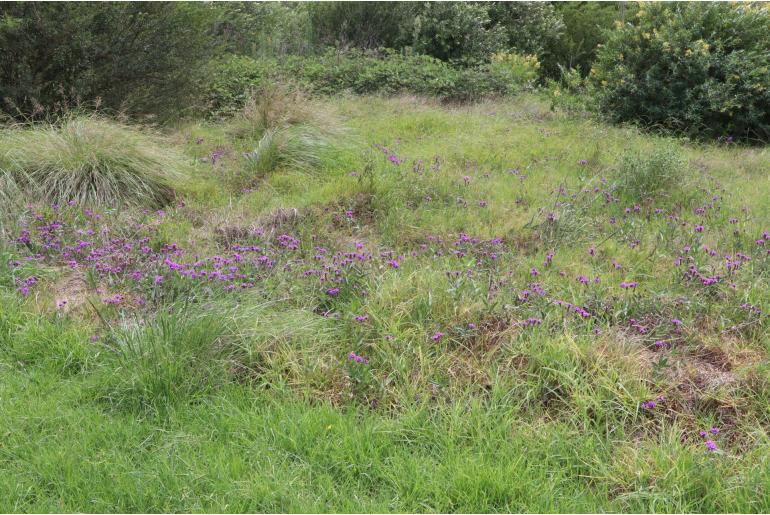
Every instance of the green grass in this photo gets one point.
(199, 399)
(90, 160)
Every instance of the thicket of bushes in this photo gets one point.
(356, 71)
(152, 58)
(702, 69)
(121, 55)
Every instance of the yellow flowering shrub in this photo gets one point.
(696, 68)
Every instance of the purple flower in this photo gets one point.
(466, 180)
(114, 299)
(471, 326)
(361, 318)
(649, 404)
(157, 279)
(711, 445)
(436, 337)
(358, 359)
(533, 272)
(676, 322)
(333, 292)
(714, 430)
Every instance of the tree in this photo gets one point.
(132, 55)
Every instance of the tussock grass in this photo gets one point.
(644, 174)
(300, 148)
(175, 359)
(288, 129)
(92, 161)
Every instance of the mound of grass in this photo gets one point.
(90, 160)
(175, 358)
(286, 128)
(644, 174)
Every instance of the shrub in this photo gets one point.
(515, 70)
(89, 160)
(231, 81)
(702, 69)
(530, 27)
(455, 31)
(368, 72)
(586, 25)
(569, 94)
(134, 55)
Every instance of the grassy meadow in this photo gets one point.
(367, 304)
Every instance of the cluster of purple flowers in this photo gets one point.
(652, 404)
(25, 284)
(355, 358)
(710, 444)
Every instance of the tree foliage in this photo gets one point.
(133, 55)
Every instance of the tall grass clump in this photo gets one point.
(644, 174)
(176, 358)
(90, 160)
(287, 129)
(10, 200)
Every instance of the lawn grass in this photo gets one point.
(501, 375)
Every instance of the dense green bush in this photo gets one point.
(129, 55)
(702, 69)
(150, 58)
(529, 27)
(586, 25)
(458, 31)
(368, 72)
